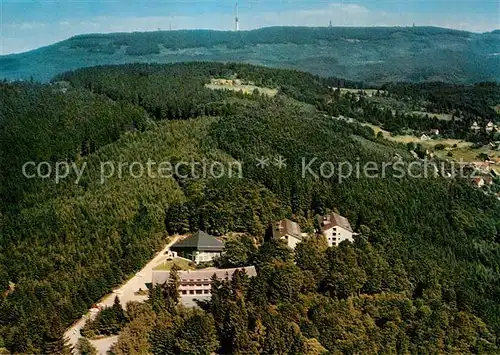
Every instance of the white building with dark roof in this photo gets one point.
(335, 228)
(287, 231)
(199, 247)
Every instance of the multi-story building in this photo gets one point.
(335, 228)
(286, 230)
(197, 284)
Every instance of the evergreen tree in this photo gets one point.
(85, 347)
(171, 289)
(197, 335)
(58, 346)
(118, 311)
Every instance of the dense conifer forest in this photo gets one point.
(422, 277)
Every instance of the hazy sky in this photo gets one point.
(29, 24)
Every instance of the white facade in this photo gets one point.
(336, 235)
(171, 254)
(205, 256)
(490, 127)
(335, 228)
(287, 231)
(291, 241)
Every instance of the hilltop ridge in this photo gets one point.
(371, 54)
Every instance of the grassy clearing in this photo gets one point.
(439, 116)
(182, 263)
(431, 143)
(462, 151)
(235, 85)
(469, 155)
(398, 105)
(368, 92)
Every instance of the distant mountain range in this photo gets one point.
(373, 55)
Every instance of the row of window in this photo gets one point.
(195, 292)
(195, 284)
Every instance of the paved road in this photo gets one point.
(126, 294)
(103, 345)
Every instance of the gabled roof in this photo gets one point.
(334, 220)
(478, 181)
(286, 227)
(200, 241)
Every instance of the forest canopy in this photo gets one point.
(427, 261)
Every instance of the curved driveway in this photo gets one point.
(126, 293)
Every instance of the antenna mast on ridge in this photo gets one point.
(236, 20)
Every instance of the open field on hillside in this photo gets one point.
(368, 92)
(463, 151)
(396, 105)
(439, 116)
(425, 143)
(236, 85)
(469, 155)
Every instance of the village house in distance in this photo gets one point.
(335, 228)
(199, 247)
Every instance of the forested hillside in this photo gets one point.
(371, 54)
(423, 276)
